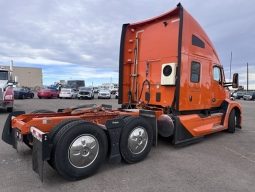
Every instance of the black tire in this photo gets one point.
(64, 139)
(32, 96)
(39, 97)
(52, 134)
(23, 97)
(232, 122)
(131, 123)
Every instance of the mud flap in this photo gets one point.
(41, 151)
(8, 134)
(150, 117)
(114, 128)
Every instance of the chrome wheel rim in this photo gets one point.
(83, 151)
(138, 140)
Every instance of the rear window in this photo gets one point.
(195, 72)
(85, 89)
(65, 90)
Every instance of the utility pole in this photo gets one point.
(247, 77)
(230, 66)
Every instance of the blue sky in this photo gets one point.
(80, 39)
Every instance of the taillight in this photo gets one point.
(8, 97)
(8, 94)
(37, 133)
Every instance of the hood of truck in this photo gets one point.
(3, 83)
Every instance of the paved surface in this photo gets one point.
(221, 162)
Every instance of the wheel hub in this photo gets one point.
(83, 151)
(138, 140)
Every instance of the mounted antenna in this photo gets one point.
(11, 66)
(230, 66)
(11, 71)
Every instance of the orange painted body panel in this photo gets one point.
(45, 122)
(232, 105)
(201, 91)
(155, 47)
(199, 126)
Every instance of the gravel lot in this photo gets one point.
(221, 162)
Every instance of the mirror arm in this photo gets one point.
(228, 84)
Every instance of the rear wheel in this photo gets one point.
(52, 134)
(80, 148)
(136, 139)
(232, 122)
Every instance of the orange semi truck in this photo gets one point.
(171, 83)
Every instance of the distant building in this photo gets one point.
(62, 82)
(75, 83)
(110, 86)
(28, 76)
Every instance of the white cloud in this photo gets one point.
(87, 32)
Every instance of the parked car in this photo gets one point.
(249, 96)
(86, 93)
(48, 92)
(104, 94)
(96, 90)
(23, 93)
(68, 93)
(239, 95)
(116, 95)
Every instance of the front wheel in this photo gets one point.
(232, 122)
(80, 149)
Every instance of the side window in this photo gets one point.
(217, 74)
(195, 72)
(197, 42)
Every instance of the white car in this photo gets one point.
(104, 94)
(68, 93)
(86, 93)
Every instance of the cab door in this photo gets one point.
(218, 91)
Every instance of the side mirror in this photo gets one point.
(235, 81)
(10, 84)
